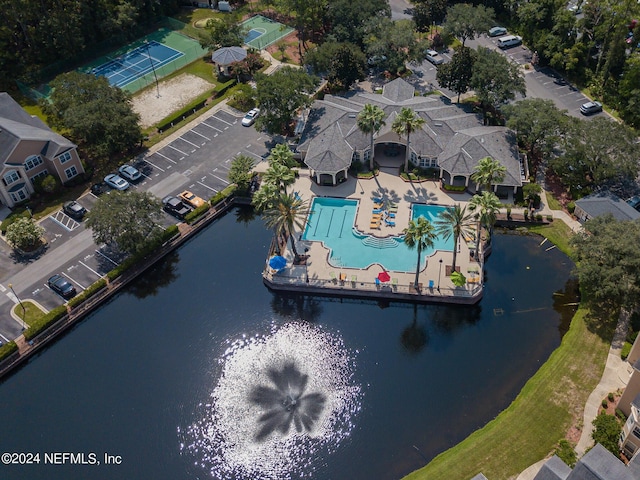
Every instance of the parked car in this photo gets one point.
(175, 207)
(497, 31)
(61, 286)
(590, 108)
(116, 182)
(129, 173)
(434, 57)
(376, 60)
(99, 188)
(74, 210)
(191, 199)
(634, 202)
(509, 41)
(250, 118)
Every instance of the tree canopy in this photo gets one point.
(456, 74)
(125, 219)
(240, 171)
(98, 116)
(348, 17)
(465, 21)
(24, 234)
(222, 32)
(279, 96)
(393, 41)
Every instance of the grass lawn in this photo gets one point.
(552, 202)
(528, 430)
(558, 232)
(32, 311)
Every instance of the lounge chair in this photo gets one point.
(354, 280)
(375, 225)
(343, 277)
(377, 282)
(377, 211)
(376, 215)
(391, 215)
(392, 209)
(377, 200)
(390, 224)
(431, 283)
(332, 276)
(394, 283)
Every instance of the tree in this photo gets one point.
(495, 79)
(406, 122)
(240, 171)
(608, 262)
(279, 175)
(24, 234)
(630, 91)
(420, 234)
(265, 198)
(288, 214)
(465, 22)
(456, 74)
(99, 117)
(606, 432)
(222, 32)
(392, 41)
(281, 154)
(598, 153)
(280, 95)
(531, 193)
(347, 18)
(428, 12)
(454, 221)
(487, 172)
(125, 219)
(370, 120)
(347, 66)
(485, 208)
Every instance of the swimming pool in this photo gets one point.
(332, 222)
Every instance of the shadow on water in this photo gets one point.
(296, 306)
(245, 214)
(286, 402)
(157, 278)
(414, 337)
(565, 302)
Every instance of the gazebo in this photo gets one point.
(225, 56)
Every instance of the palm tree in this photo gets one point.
(287, 214)
(370, 120)
(456, 222)
(407, 121)
(283, 155)
(419, 234)
(279, 175)
(488, 171)
(265, 198)
(486, 206)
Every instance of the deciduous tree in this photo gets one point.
(24, 234)
(456, 74)
(466, 22)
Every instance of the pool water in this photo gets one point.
(332, 222)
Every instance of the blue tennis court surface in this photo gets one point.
(123, 70)
(252, 35)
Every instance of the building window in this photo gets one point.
(19, 195)
(367, 155)
(65, 157)
(41, 174)
(356, 156)
(71, 172)
(11, 177)
(32, 162)
(636, 432)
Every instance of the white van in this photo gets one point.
(509, 41)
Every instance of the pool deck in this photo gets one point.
(320, 277)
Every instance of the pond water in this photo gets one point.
(199, 371)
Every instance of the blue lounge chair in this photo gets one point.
(390, 224)
(431, 284)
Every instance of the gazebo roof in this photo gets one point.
(228, 55)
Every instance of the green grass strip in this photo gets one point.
(558, 232)
(538, 418)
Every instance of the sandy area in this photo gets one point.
(174, 94)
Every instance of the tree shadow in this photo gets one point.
(414, 337)
(296, 306)
(159, 276)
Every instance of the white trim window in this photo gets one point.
(19, 195)
(355, 157)
(71, 172)
(64, 157)
(32, 162)
(11, 177)
(38, 175)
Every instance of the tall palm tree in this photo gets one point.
(266, 197)
(287, 214)
(279, 175)
(283, 155)
(419, 234)
(487, 172)
(406, 122)
(486, 206)
(456, 222)
(370, 120)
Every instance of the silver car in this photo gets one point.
(132, 174)
(590, 107)
(116, 182)
(434, 57)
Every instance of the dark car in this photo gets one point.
(634, 202)
(61, 286)
(74, 210)
(99, 188)
(175, 207)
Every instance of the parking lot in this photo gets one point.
(197, 160)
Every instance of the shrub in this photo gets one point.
(24, 234)
(607, 431)
(242, 97)
(571, 207)
(620, 414)
(44, 322)
(566, 453)
(611, 397)
(15, 216)
(509, 213)
(454, 188)
(549, 218)
(227, 192)
(90, 291)
(7, 349)
(197, 213)
(605, 403)
(526, 215)
(625, 351)
(538, 217)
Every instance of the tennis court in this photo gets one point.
(262, 31)
(125, 69)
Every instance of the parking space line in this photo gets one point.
(193, 131)
(153, 165)
(185, 140)
(5, 338)
(164, 156)
(100, 253)
(223, 121)
(207, 186)
(80, 285)
(184, 153)
(211, 126)
(65, 224)
(89, 268)
(226, 182)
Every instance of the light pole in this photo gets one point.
(306, 267)
(439, 273)
(24, 311)
(146, 44)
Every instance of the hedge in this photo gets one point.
(227, 192)
(13, 218)
(45, 321)
(188, 110)
(7, 349)
(88, 292)
(454, 188)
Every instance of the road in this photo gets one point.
(196, 159)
